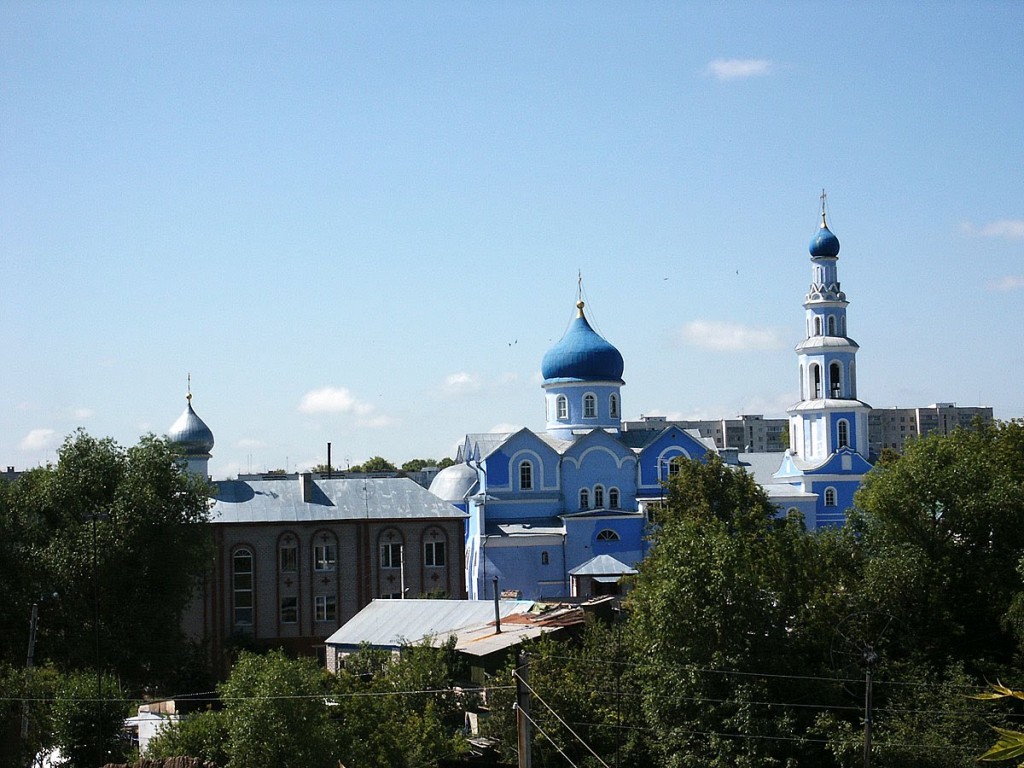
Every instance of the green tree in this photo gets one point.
(275, 712)
(374, 464)
(941, 531)
(414, 694)
(112, 533)
(87, 720)
(26, 694)
(721, 625)
(202, 735)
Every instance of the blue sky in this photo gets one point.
(363, 223)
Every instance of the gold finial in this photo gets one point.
(579, 292)
(823, 225)
(189, 395)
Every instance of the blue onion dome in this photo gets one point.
(582, 355)
(190, 433)
(824, 245)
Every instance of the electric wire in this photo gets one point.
(559, 718)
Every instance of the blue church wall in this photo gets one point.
(598, 459)
(574, 394)
(656, 456)
(583, 543)
(834, 516)
(523, 567)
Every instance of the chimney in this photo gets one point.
(307, 485)
(497, 609)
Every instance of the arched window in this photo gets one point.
(544, 559)
(392, 550)
(242, 587)
(670, 467)
(831, 325)
(613, 498)
(525, 476)
(843, 433)
(613, 406)
(830, 497)
(584, 498)
(589, 406)
(607, 535)
(816, 380)
(853, 379)
(599, 496)
(287, 553)
(562, 407)
(842, 325)
(803, 386)
(817, 326)
(434, 548)
(325, 552)
(835, 380)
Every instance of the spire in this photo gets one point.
(823, 196)
(188, 397)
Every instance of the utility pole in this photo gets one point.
(33, 622)
(870, 659)
(522, 675)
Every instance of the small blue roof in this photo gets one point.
(582, 355)
(824, 245)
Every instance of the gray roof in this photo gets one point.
(392, 623)
(762, 465)
(540, 526)
(602, 565)
(281, 500)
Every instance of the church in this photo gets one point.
(565, 511)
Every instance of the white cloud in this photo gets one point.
(1008, 283)
(38, 440)
(461, 383)
(1002, 229)
(734, 69)
(83, 413)
(333, 400)
(380, 421)
(729, 337)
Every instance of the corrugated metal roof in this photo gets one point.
(281, 500)
(602, 565)
(392, 623)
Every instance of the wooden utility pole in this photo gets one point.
(522, 674)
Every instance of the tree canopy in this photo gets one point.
(109, 534)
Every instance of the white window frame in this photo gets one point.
(526, 475)
(590, 406)
(391, 554)
(243, 591)
(562, 408)
(325, 608)
(434, 554)
(831, 498)
(325, 558)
